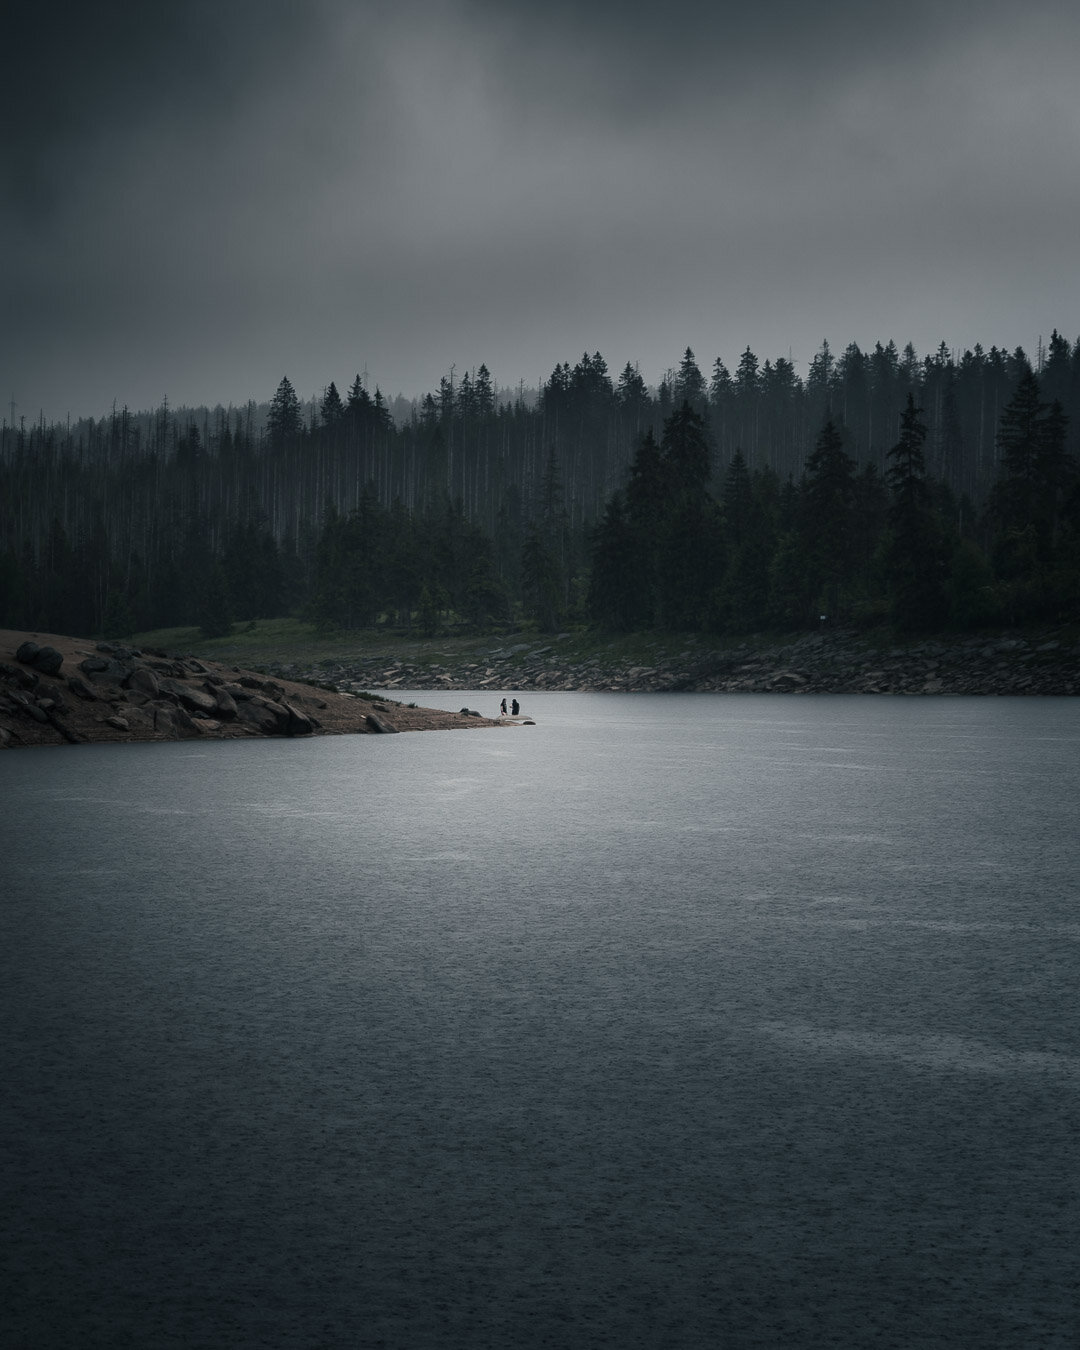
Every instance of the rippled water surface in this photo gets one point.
(671, 1021)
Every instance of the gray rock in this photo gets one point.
(267, 687)
(144, 680)
(189, 695)
(48, 661)
(80, 688)
(380, 725)
(16, 675)
(299, 724)
(27, 652)
(104, 670)
(264, 715)
(186, 726)
(226, 704)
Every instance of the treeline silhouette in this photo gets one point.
(930, 492)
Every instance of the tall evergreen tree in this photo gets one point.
(689, 384)
(829, 495)
(915, 564)
(285, 420)
(541, 581)
(688, 554)
(332, 410)
(614, 581)
(1014, 501)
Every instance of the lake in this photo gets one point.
(671, 1021)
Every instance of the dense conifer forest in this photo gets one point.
(933, 492)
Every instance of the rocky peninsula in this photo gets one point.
(57, 690)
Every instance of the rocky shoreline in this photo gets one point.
(58, 690)
(838, 662)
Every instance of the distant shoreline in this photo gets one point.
(829, 662)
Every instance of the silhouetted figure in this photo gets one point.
(515, 708)
(502, 708)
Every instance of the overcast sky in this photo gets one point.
(198, 198)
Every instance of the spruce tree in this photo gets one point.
(915, 562)
(285, 421)
(828, 501)
(541, 581)
(614, 581)
(688, 553)
(332, 410)
(689, 384)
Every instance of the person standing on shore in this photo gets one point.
(515, 708)
(502, 708)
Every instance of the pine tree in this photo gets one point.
(332, 410)
(285, 421)
(829, 494)
(483, 392)
(647, 494)
(689, 540)
(1054, 473)
(541, 582)
(1015, 498)
(689, 383)
(916, 569)
(359, 404)
(614, 594)
(630, 393)
(736, 500)
(685, 453)
(743, 595)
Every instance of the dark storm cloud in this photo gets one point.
(75, 73)
(201, 197)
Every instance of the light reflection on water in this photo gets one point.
(650, 1025)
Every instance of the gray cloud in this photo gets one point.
(236, 191)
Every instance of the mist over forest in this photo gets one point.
(926, 491)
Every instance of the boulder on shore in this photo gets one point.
(120, 693)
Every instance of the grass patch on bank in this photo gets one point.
(291, 641)
(262, 641)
